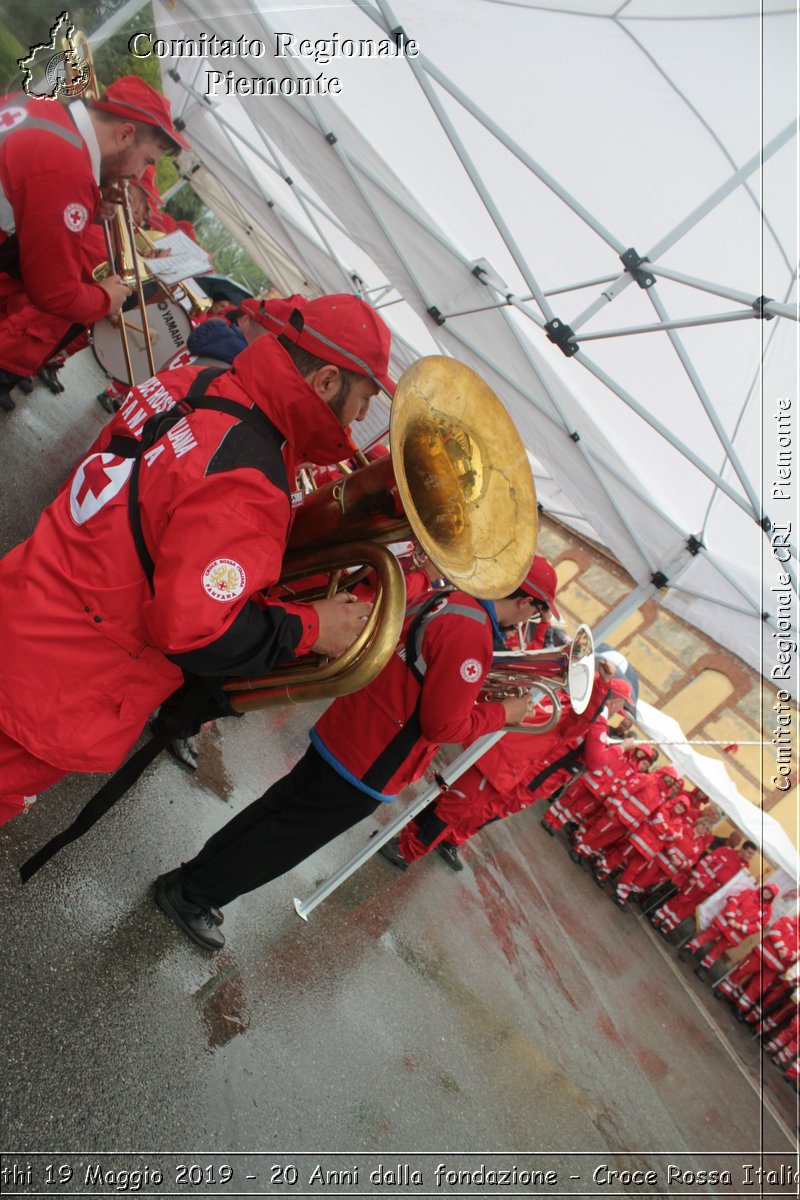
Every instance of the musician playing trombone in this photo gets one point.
(363, 751)
(153, 561)
(54, 159)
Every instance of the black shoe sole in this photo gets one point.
(400, 864)
(165, 904)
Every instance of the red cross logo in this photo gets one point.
(98, 480)
(11, 117)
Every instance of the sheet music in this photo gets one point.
(185, 260)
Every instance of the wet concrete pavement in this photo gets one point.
(510, 1007)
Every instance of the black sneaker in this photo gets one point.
(25, 386)
(6, 403)
(449, 853)
(182, 751)
(391, 852)
(196, 922)
(217, 915)
(108, 403)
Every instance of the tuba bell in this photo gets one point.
(458, 481)
(568, 668)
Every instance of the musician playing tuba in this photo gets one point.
(104, 616)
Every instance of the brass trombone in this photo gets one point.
(458, 481)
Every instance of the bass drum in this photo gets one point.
(169, 327)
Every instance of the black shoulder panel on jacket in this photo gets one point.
(242, 446)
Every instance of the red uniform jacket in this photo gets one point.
(678, 858)
(743, 914)
(49, 199)
(779, 947)
(520, 756)
(90, 649)
(383, 737)
(715, 869)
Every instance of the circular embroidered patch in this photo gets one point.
(75, 217)
(470, 670)
(224, 579)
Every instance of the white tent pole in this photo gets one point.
(281, 217)
(450, 774)
(115, 22)
(298, 191)
(693, 218)
(745, 612)
(679, 445)
(705, 400)
(526, 348)
(619, 284)
(717, 289)
(661, 326)
(502, 136)
(620, 612)
(576, 287)
(645, 501)
(475, 176)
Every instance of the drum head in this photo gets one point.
(169, 327)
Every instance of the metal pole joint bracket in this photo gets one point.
(758, 308)
(435, 313)
(561, 335)
(331, 139)
(659, 580)
(766, 524)
(694, 545)
(632, 262)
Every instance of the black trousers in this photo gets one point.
(300, 812)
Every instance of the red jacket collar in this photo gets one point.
(265, 375)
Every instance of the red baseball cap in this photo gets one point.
(134, 99)
(620, 687)
(541, 582)
(273, 314)
(345, 331)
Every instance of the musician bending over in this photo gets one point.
(54, 159)
(116, 597)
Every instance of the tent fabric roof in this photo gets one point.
(490, 186)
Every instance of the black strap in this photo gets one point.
(187, 701)
(570, 758)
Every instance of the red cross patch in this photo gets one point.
(10, 117)
(96, 481)
(75, 217)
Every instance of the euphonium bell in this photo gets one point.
(458, 481)
(568, 668)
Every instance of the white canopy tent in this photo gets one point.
(592, 203)
(711, 777)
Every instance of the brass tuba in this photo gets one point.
(569, 668)
(458, 481)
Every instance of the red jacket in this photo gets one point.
(49, 199)
(383, 737)
(743, 914)
(89, 649)
(779, 947)
(519, 757)
(678, 858)
(715, 869)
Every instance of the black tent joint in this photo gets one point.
(659, 580)
(179, 124)
(173, 74)
(539, 506)
(331, 139)
(434, 312)
(766, 524)
(561, 335)
(575, 437)
(765, 617)
(288, 179)
(758, 308)
(632, 262)
(695, 544)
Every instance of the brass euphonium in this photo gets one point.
(458, 481)
(568, 668)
